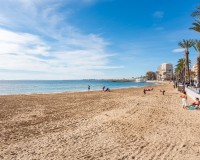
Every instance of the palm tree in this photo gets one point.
(196, 13)
(196, 26)
(186, 44)
(197, 48)
(180, 69)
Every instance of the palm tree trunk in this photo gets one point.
(183, 75)
(187, 77)
(198, 69)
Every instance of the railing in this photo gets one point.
(193, 92)
(195, 89)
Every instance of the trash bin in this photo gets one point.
(181, 88)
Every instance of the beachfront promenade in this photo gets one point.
(192, 92)
(122, 124)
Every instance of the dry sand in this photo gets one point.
(122, 124)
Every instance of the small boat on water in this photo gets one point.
(140, 80)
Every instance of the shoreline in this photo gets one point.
(80, 91)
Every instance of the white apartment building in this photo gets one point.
(165, 71)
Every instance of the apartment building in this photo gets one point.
(165, 71)
(195, 68)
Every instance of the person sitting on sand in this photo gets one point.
(149, 89)
(184, 99)
(196, 103)
(107, 90)
(163, 92)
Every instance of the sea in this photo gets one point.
(13, 87)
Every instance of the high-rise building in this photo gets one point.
(165, 71)
(195, 68)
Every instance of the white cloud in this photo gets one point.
(158, 14)
(12, 37)
(178, 50)
(46, 42)
(30, 53)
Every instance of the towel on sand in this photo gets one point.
(193, 108)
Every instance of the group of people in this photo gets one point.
(104, 89)
(147, 89)
(195, 104)
(151, 89)
(192, 83)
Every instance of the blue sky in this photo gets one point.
(81, 39)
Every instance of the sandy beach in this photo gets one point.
(122, 124)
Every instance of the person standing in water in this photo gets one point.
(88, 87)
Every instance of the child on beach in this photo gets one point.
(184, 99)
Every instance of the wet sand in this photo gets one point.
(122, 124)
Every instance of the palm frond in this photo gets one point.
(197, 45)
(196, 26)
(186, 44)
(196, 13)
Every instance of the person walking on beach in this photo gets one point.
(184, 99)
(104, 88)
(88, 87)
(144, 91)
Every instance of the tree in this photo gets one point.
(150, 75)
(197, 48)
(186, 44)
(180, 69)
(196, 27)
(196, 24)
(196, 13)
